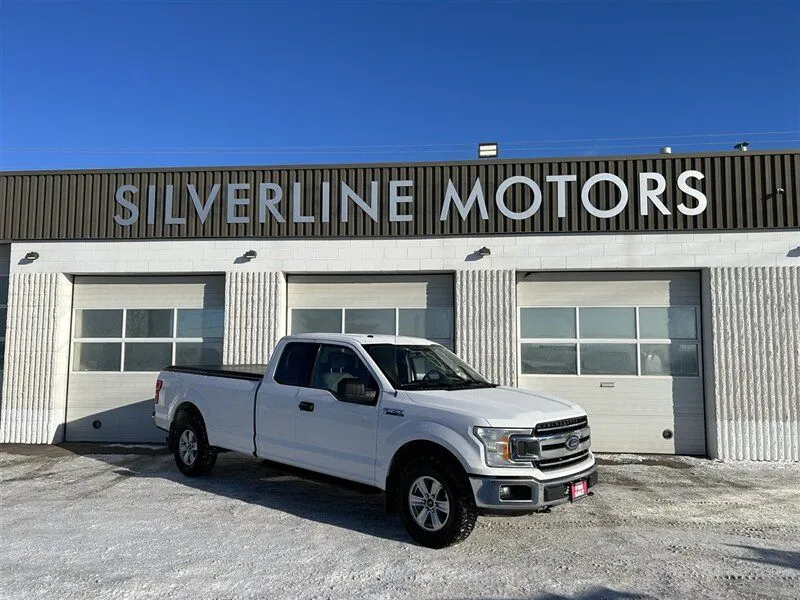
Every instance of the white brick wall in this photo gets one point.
(528, 252)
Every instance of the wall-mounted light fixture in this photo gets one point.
(741, 146)
(484, 252)
(488, 150)
(250, 255)
(31, 256)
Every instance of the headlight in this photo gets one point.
(497, 442)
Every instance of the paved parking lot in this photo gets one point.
(76, 524)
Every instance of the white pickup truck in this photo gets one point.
(404, 415)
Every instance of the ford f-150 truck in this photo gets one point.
(404, 415)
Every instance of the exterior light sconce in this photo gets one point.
(488, 150)
(484, 252)
(741, 146)
(31, 256)
(250, 255)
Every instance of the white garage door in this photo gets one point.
(125, 330)
(626, 347)
(415, 305)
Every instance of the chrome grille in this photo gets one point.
(546, 448)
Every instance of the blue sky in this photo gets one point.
(92, 83)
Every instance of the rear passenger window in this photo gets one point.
(296, 364)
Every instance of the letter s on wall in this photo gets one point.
(124, 202)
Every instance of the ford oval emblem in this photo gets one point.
(572, 442)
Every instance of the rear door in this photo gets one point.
(335, 432)
(276, 402)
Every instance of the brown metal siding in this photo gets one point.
(741, 190)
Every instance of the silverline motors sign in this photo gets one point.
(664, 192)
(517, 198)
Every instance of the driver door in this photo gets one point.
(336, 433)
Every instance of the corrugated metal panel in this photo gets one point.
(486, 333)
(741, 190)
(756, 341)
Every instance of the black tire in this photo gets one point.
(462, 513)
(190, 430)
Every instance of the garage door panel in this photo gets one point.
(628, 325)
(126, 329)
(148, 292)
(593, 289)
(412, 305)
(370, 291)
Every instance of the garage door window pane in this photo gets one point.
(98, 324)
(677, 360)
(431, 323)
(608, 359)
(676, 323)
(200, 322)
(148, 323)
(3, 290)
(92, 356)
(547, 322)
(607, 322)
(316, 320)
(3, 315)
(369, 320)
(147, 356)
(549, 359)
(197, 354)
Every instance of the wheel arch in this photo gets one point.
(184, 406)
(417, 448)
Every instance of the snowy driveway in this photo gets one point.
(77, 525)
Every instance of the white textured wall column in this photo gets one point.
(255, 316)
(33, 405)
(756, 341)
(486, 322)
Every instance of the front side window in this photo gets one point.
(296, 364)
(340, 371)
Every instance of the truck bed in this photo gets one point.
(247, 372)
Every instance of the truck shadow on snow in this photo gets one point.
(277, 487)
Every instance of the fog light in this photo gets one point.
(505, 492)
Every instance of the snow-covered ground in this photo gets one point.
(122, 525)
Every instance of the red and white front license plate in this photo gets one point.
(578, 489)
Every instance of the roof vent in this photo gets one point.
(741, 146)
(665, 150)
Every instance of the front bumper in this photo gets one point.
(542, 493)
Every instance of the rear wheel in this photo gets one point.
(435, 503)
(193, 455)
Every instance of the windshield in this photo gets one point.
(424, 367)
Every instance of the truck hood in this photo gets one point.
(500, 406)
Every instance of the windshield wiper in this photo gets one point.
(471, 385)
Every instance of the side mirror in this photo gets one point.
(351, 389)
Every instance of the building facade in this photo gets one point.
(662, 293)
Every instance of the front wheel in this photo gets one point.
(193, 455)
(435, 504)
